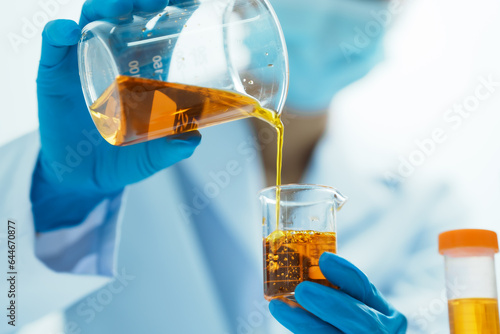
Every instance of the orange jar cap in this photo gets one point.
(467, 238)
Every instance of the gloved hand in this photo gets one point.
(356, 307)
(76, 168)
(331, 43)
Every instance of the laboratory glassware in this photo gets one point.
(294, 240)
(186, 67)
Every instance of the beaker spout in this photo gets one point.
(339, 199)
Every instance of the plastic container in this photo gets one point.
(471, 280)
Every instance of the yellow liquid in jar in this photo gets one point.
(473, 316)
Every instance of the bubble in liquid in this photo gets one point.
(275, 240)
(267, 54)
(273, 266)
(250, 82)
(143, 29)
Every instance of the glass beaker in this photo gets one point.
(293, 245)
(189, 66)
(470, 280)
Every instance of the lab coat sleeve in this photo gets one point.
(88, 248)
(40, 290)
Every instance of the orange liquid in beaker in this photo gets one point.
(133, 109)
(473, 316)
(291, 257)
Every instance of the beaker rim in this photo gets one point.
(337, 196)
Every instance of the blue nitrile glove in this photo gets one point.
(77, 168)
(331, 43)
(356, 307)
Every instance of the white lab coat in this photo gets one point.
(389, 233)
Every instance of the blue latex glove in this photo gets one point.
(326, 49)
(76, 168)
(356, 307)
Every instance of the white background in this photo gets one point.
(436, 51)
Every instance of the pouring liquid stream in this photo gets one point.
(273, 118)
(133, 110)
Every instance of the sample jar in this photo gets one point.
(295, 236)
(470, 280)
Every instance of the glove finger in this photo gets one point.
(150, 5)
(181, 147)
(95, 9)
(298, 320)
(352, 281)
(164, 152)
(342, 311)
(99, 9)
(57, 37)
(139, 161)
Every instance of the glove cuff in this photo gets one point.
(55, 207)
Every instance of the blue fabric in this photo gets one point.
(331, 44)
(76, 168)
(355, 307)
